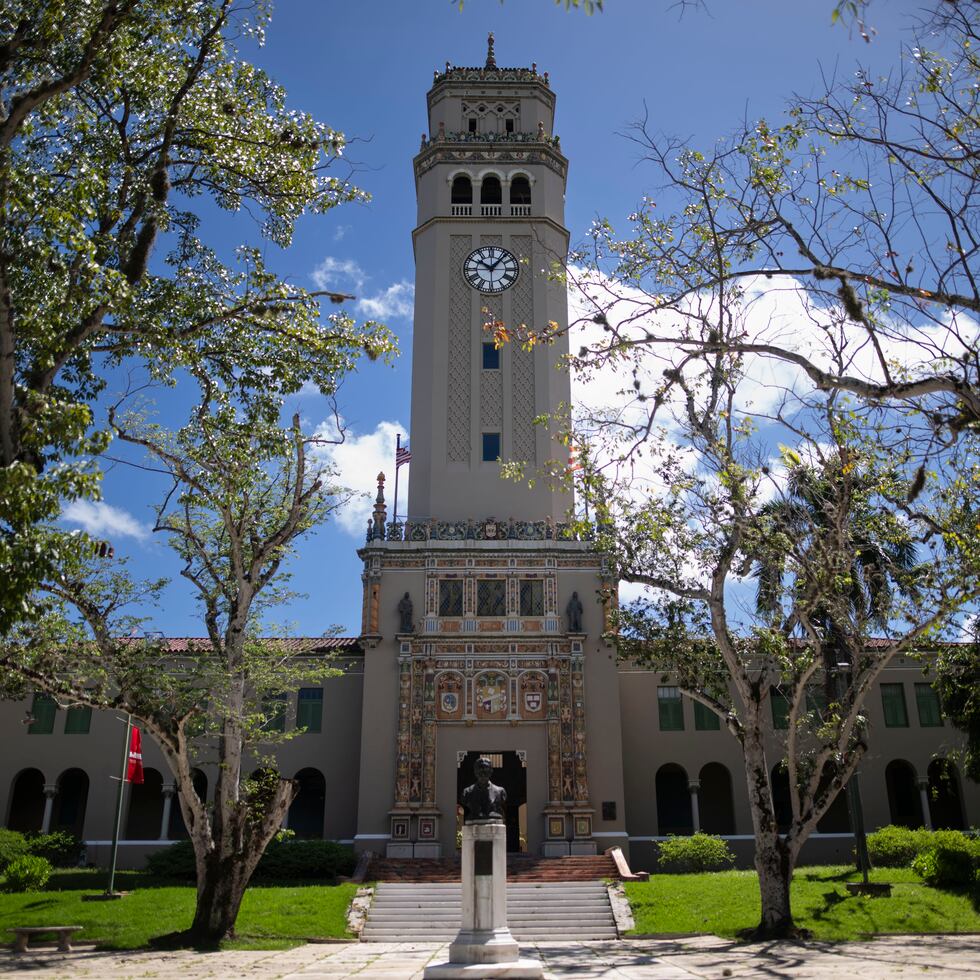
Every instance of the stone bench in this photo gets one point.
(24, 933)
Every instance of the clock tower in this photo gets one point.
(490, 183)
(483, 614)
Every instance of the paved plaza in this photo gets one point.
(669, 959)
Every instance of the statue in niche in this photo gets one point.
(574, 613)
(405, 614)
(483, 800)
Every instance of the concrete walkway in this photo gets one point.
(949, 957)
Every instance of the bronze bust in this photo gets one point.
(483, 800)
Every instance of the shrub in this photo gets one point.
(951, 860)
(12, 845)
(699, 852)
(62, 848)
(175, 861)
(896, 847)
(283, 859)
(306, 859)
(28, 873)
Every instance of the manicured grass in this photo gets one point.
(727, 902)
(270, 917)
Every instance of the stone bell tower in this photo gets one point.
(483, 614)
(490, 182)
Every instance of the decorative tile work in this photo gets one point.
(460, 360)
(522, 361)
(491, 382)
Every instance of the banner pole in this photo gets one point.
(119, 805)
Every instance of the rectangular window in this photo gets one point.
(671, 709)
(274, 709)
(309, 709)
(450, 597)
(927, 704)
(491, 356)
(705, 720)
(509, 125)
(43, 711)
(532, 597)
(491, 597)
(491, 447)
(893, 705)
(471, 123)
(780, 709)
(78, 720)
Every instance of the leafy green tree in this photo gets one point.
(242, 490)
(117, 119)
(687, 510)
(957, 671)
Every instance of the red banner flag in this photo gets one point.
(134, 767)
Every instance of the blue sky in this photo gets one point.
(364, 68)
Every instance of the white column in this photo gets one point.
(694, 788)
(924, 797)
(168, 802)
(50, 792)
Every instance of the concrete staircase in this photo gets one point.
(430, 911)
(520, 868)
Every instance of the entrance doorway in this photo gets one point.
(510, 773)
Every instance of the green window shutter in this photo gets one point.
(78, 720)
(780, 709)
(705, 720)
(43, 711)
(671, 709)
(309, 709)
(893, 706)
(927, 704)
(274, 709)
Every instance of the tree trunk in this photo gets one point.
(219, 896)
(772, 861)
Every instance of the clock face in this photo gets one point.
(491, 269)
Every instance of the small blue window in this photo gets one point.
(491, 447)
(491, 357)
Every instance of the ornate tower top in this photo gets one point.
(491, 60)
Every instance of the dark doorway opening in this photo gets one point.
(508, 772)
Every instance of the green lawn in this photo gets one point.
(270, 918)
(727, 902)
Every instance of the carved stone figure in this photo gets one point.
(574, 612)
(405, 614)
(483, 800)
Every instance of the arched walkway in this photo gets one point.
(177, 829)
(145, 807)
(837, 819)
(306, 814)
(904, 802)
(945, 802)
(71, 801)
(26, 810)
(781, 802)
(715, 800)
(673, 801)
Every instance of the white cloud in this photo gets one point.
(103, 520)
(358, 461)
(398, 300)
(332, 273)
(340, 231)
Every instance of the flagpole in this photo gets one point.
(119, 805)
(398, 446)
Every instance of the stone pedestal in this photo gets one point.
(484, 946)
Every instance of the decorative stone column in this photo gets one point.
(50, 792)
(694, 788)
(924, 798)
(484, 946)
(168, 802)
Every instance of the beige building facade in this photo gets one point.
(483, 616)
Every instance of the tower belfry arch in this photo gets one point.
(489, 653)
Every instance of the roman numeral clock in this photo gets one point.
(491, 269)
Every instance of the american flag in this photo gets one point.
(402, 456)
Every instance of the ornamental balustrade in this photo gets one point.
(471, 530)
